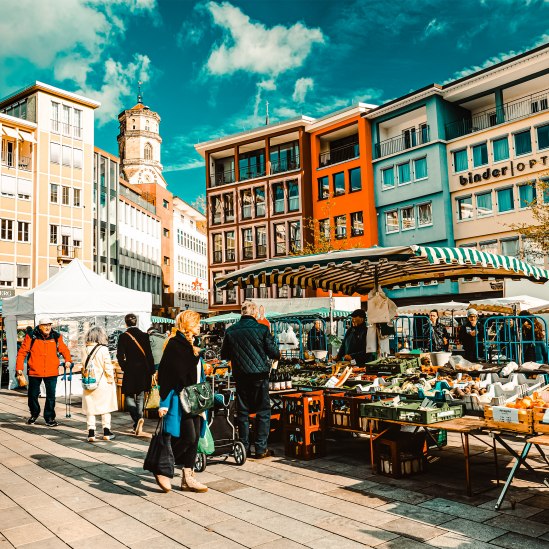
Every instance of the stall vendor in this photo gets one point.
(471, 337)
(354, 342)
(435, 334)
(316, 338)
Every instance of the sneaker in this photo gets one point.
(108, 434)
(91, 435)
(31, 420)
(262, 455)
(139, 427)
(52, 423)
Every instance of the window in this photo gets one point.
(543, 137)
(388, 177)
(66, 125)
(54, 116)
(391, 222)
(166, 233)
(404, 173)
(420, 169)
(165, 203)
(480, 155)
(148, 151)
(261, 242)
(340, 223)
(216, 207)
(295, 236)
(76, 197)
(357, 224)
(323, 188)
(53, 234)
(76, 243)
(500, 149)
(505, 200)
(77, 158)
(293, 196)
(166, 260)
(484, 204)
(280, 238)
(246, 203)
(324, 229)
(510, 247)
(278, 198)
(217, 248)
(65, 196)
(461, 162)
(339, 183)
(464, 207)
(527, 194)
(408, 218)
(67, 155)
(259, 194)
(7, 274)
(228, 207)
(54, 193)
(355, 180)
(6, 229)
(247, 244)
(23, 276)
(55, 153)
(77, 114)
(523, 143)
(425, 214)
(23, 231)
(489, 246)
(24, 189)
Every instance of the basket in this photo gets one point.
(525, 422)
(411, 412)
(396, 366)
(540, 426)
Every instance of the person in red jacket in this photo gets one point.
(42, 346)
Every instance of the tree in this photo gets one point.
(200, 204)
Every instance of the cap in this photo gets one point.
(359, 312)
(472, 312)
(44, 320)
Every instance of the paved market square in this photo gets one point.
(58, 490)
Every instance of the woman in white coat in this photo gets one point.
(101, 400)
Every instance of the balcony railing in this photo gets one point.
(519, 108)
(66, 253)
(217, 256)
(285, 165)
(252, 172)
(8, 158)
(339, 154)
(222, 178)
(25, 163)
(402, 142)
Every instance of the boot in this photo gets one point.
(189, 483)
(165, 483)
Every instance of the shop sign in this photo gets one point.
(6, 293)
(511, 169)
(505, 415)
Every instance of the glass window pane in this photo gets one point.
(323, 187)
(523, 143)
(484, 204)
(480, 155)
(408, 218)
(465, 207)
(278, 195)
(527, 194)
(339, 183)
(543, 137)
(425, 214)
(293, 196)
(357, 224)
(404, 173)
(391, 222)
(490, 247)
(500, 149)
(388, 177)
(355, 181)
(510, 247)
(340, 226)
(505, 200)
(460, 160)
(420, 168)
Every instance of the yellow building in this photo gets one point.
(46, 184)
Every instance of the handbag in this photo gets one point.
(197, 398)
(159, 459)
(206, 443)
(153, 398)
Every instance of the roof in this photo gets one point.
(181, 204)
(52, 90)
(341, 114)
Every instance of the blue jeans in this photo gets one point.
(134, 405)
(34, 392)
(252, 397)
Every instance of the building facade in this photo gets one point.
(46, 184)
(190, 257)
(258, 193)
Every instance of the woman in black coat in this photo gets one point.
(180, 367)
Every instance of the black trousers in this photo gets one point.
(252, 397)
(186, 444)
(34, 393)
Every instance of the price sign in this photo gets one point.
(505, 415)
(545, 416)
(331, 382)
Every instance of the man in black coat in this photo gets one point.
(471, 337)
(136, 360)
(354, 342)
(316, 338)
(249, 345)
(435, 335)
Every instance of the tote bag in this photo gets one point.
(159, 459)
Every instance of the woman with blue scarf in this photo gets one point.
(180, 367)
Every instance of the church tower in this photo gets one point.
(139, 145)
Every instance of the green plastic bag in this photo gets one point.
(206, 443)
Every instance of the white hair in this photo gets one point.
(249, 308)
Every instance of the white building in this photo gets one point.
(191, 257)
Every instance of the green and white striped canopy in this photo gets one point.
(359, 270)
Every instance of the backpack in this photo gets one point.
(157, 341)
(89, 375)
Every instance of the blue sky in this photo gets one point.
(208, 67)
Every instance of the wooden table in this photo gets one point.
(465, 426)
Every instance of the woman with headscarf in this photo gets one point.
(181, 367)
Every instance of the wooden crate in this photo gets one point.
(539, 426)
(525, 424)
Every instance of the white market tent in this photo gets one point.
(74, 292)
(510, 305)
(452, 308)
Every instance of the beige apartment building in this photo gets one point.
(46, 190)
(498, 155)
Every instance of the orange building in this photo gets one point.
(344, 211)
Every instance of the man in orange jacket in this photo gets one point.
(42, 346)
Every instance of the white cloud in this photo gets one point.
(190, 164)
(333, 103)
(434, 27)
(302, 87)
(252, 47)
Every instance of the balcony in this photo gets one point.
(338, 154)
(285, 165)
(403, 142)
(222, 178)
(8, 159)
(66, 254)
(25, 163)
(507, 112)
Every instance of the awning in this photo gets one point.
(26, 136)
(10, 132)
(452, 307)
(510, 305)
(162, 320)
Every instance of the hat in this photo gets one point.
(44, 320)
(472, 312)
(359, 312)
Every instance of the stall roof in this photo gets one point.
(506, 305)
(452, 307)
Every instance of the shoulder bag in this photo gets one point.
(138, 344)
